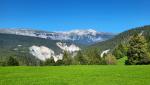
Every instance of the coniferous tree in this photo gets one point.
(59, 62)
(41, 63)
(93, 56)
(66, 58)
(120, 51)
(137, 52)
(79, 58)
(49, 62)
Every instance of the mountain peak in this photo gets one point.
(81, 32)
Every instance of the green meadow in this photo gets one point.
(76, 75)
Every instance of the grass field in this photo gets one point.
(76, 75)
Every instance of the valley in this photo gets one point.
(74, 42)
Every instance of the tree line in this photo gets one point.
(93, 58)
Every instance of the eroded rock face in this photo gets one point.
(43, 53)
(104, 52)
(71, 48)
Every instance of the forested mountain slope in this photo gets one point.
(122, 38)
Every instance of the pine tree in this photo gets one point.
(93, 56)
(59, 62)
(49, 62)
(66, 58)
(137, 52)
(120, 51)
(79, 58)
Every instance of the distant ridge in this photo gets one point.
(78, 36)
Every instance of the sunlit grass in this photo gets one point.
(76, 75)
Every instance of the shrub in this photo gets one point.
(110, 59)
(12, 62)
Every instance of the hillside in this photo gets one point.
(18, 46)
(122, 38)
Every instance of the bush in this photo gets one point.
(110, 59)
(2, 63)
(12, 62)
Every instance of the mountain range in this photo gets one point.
(34, 45)
(76, 36)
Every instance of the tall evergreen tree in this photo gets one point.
(137, 52)
(49, 62)
(79, 58)
(93, 56)
(120, 51)
(66, 58)
(59, 62)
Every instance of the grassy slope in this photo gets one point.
(76, 75)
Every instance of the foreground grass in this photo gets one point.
(76, 75)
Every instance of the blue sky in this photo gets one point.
(63, 15)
